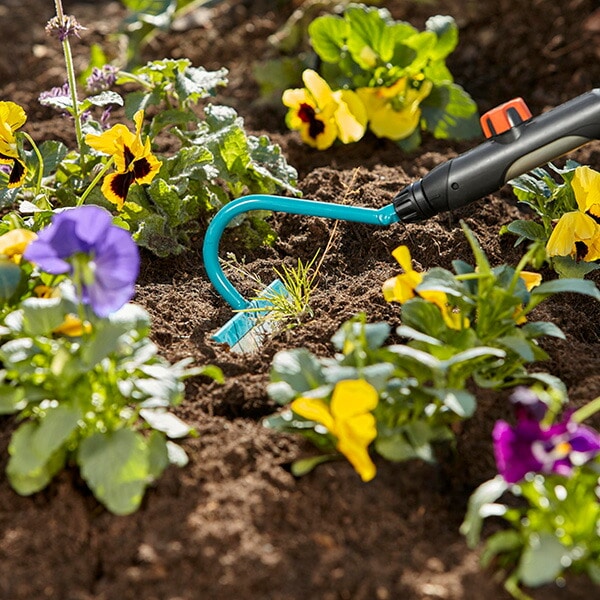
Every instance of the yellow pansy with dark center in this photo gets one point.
(133, 158)
(12, 117)
(321, 115)
(307, 114)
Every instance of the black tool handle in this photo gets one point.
(487, 167)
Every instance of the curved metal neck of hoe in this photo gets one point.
(210, 252)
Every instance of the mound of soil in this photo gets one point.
(235, 523)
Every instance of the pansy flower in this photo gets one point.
(403, 287)
(530, 447)
(12, 117)
(348, 417)
(322, 115)
(394, 111)
(101, 259)
(577, 233)
(133, 158)
(14, 242)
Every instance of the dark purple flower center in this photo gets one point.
(307, 114)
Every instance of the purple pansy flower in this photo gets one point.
(530, 447)
(101, 258)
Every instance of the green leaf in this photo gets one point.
(485, 495)
(196, 83)
(446, 30)
(105, 98)
(529, 230)
(303, 466)
(12, 399)
(557, 286)
(537, 329)
(499, 543)
(36, 449)
(116, 466)
(327, 37)
(460, 402)
(450, 113)
(168, 423)
(158, 454)
(53, 154)
(567, 267)
(368, 42)
(298, 368)
(10, 277)
(542, 559)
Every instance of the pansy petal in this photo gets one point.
(315, 410)
(358, 457)
(318, 88)
(352, 397)
(116, 187)
(586, 187)
(572, 227)
(17, 174)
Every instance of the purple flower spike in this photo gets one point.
(101, 258)
(527, 447)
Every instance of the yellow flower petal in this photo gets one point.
(586, 187)
(358, 457)
(318, 88)
(531, 279)
(572, 227)
(313, 409)
(352, 397)
(72, 326)
(14, 242)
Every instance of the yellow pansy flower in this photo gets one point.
(12, 117)
(348, 417)
(402, 288)
(586, 187)
(531, 280)
(394, 111)
(322, 115)
(14, 242)
(577, 235)
(72, 326)
(133, 158)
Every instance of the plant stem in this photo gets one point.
(40, 174)
(72, 82)
(586, 411)
(95, 181)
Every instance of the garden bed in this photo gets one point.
(235, 523)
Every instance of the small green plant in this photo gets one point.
(445, 312)
(162, 199)
(78, 367)
(566, 233)
(546, 494)
(468, 326)
(385, 75)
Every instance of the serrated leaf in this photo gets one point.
(105, 98)
(196, 83)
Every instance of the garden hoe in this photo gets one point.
(516, 143)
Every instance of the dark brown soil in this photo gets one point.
(235, 523)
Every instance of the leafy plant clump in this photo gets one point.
(380, 74)
(546, 495)
(78, 367)
(470, 325)
(163, 199)
(565, 233)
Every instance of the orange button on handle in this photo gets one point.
(504, 117)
